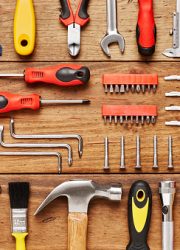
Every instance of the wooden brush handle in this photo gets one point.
(77, 231)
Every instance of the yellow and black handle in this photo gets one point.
(139, 215)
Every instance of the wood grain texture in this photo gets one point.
(51, 37)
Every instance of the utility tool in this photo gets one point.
(175, 50)
(122, 161)
(172, 78)
(10, 102)
(79, 194)
(139, 215)
(155, 155)
(172, 123)
(35, 145)
(19, 196)
(138, 149)
(170, 153)
(112, 35)
(121, 83)
(50, 136)
(146, 28)
(24, 27)
(57, 154)
(173, 94)
(167, 190)
(172, 108)
(136, 113)
(106, 153)
(74, 23)
(65, 75)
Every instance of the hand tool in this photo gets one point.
(53, 136)
(138, 149)
(35, 145)
(172, 108)
(167, 190)
(139, 215)
(106, 153)
(74, 23)
(172, 123)
(121, 83)
(24, 27)
(19, 196)
(136, 113)
(65, 75)
(155, 155)
(112, 35)
(57, 154)
(10, 102)
(122, 161)
(146, 28)
(173, 94)
(175, 51)
(170, 153)
(79, 194)
(172, 78)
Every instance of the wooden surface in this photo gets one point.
(107, 223)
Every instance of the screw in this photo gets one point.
(138, 160)
(170, 153)
(106, 153)
(122, 162)
(155, 166)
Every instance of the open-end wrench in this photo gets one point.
(112, 35)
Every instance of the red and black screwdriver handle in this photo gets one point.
(139, 215)
(62, 75)
(67, 17)
(10, 102)
(146, 28)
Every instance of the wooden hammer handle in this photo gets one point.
(77, 231)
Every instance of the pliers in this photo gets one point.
(74, 23)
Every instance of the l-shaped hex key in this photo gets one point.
(35, 145)
(50, 136)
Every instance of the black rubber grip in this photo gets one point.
(67, 74)
(140, 194)
(3, 102)
(83, 9)
(65, 12)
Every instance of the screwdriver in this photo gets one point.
(10, 102)
(62, 75)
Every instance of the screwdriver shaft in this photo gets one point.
(11, 75)
(64, 101)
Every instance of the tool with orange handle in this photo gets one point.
(62, 75)
(146, 28)
(10, 102)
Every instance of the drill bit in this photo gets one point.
(106, 153)
(122, 162)
(155, 166)
(138, 159)
(170, 153)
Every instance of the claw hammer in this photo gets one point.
(79, 193)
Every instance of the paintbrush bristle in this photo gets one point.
(19, 194)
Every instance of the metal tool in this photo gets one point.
(106, 153)
(122, 83)
(35, 145)
(79, 194)
(57, 154)
(170, 152)
(155, 154)
(10, 102)
(167, 190)
(138, 149)
(175, 51)
(65, 75)
(112, 35)
(172, 108)
(172, 123)
(122, 161)
(74, 23)
(173, 94)
(139, 215)
(172, 78)
(53, 136)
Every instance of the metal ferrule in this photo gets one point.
(19, 220)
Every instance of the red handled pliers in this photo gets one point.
(74, 23)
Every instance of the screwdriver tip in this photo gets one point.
(86, 101)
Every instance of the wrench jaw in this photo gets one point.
(172, 52)
(112, 38)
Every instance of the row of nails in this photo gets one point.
(138, 149)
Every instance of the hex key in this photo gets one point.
(53, 136)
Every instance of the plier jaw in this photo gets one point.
(74, 23)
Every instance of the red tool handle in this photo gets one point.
(67, 17)
(62, 75)
(146, 28)
(10, 102)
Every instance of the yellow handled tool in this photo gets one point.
(20, 240)
(24, 27)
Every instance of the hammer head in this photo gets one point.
(80, 193)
